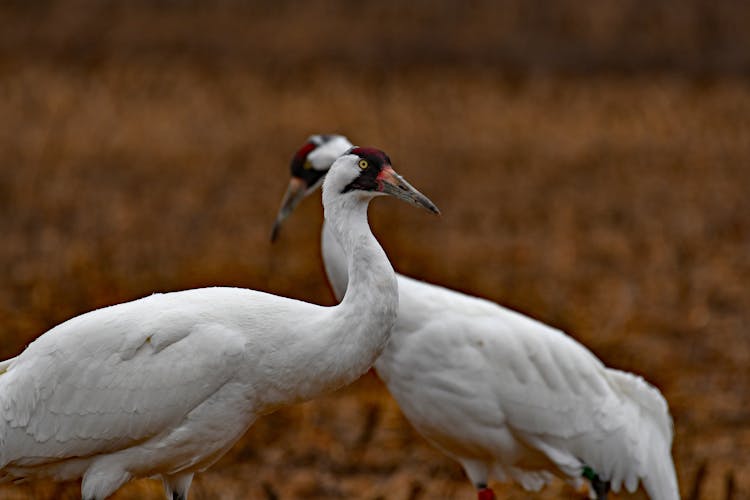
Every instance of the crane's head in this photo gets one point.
(366, 173)
(308, 167)
(313, 160)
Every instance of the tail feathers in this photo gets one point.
(659, 477)
(656, 431)
(660, 481)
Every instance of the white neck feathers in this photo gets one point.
(349, 337)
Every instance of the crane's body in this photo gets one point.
(176, 371)
(512, 398)
(164, 385)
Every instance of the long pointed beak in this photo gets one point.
(390, 182)
(295, 192)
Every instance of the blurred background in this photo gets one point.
(590, 159)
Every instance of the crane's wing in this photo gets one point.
(559, 398)
(109, 379)
(498, 375)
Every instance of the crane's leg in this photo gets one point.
(599, 487)
(176, 486)
(478, 473)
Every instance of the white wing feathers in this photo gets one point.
(654, 435)
(567, 404)
(108, 382)
(560, 399)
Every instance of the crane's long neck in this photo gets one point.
(357, 330)
(336, 267)
(334, 260)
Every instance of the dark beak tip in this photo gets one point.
(427, 204)
(275, 232)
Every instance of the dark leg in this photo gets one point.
(176, 487)
(270, 492)
(600, 487)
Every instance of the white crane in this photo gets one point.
(164, 385)
(506, 396)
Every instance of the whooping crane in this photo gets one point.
(164, 385)
(506, 396)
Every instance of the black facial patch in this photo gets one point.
(367, 180)
(301, 167)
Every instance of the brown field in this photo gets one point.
(595, 180)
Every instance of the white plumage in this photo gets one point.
(166, 384)
(510, 397)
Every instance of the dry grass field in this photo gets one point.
(597, 181)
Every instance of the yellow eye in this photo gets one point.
(307, 165)
(363, 164)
